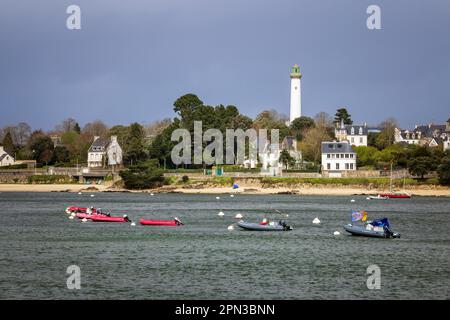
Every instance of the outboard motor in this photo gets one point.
(178, 221)
(388, 232)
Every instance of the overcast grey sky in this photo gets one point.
(132, 59)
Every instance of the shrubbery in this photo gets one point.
(144, 175)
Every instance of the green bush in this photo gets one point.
(144, 175)
(443, 171)
(185, 179)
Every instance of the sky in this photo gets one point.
(132, 59)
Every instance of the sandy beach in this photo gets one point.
(310, 190)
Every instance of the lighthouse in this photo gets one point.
(296, 93)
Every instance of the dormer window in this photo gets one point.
(360, 130)
(353, 131)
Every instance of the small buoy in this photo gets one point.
(231, 195)
(353, 200)
(239, 216)
(79, 193)
(84, 220)
(73, 214)
(92, 195)
(316, 221)
(231, 227)
(151, 194)
(221, 214)
(217, 198)
(133, 224)
(368, 198)
(336, 233)
(71, 217)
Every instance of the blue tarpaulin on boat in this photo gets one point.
(380, 222)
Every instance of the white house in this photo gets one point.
(356, 135)
(446, 144)
(104, 152)
(338, 157)
(5, 158)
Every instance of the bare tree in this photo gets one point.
(96, 128)
(66, 125)
(23, 133)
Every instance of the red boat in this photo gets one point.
(174, 222)
(395, 195)
(79, 209)
(103, 218)
(89, 216)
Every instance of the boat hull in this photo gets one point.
(101, 218)
(395, 195)
(262, 227)
(152, 222)
(363, 232)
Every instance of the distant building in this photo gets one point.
(289, 143)
(425, 135)
(104, 152)
(355, 134)
(56, 139)
(338, 157)
(446, 144)
(5, 158)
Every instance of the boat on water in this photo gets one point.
(373, 229)
(152, 222)
(395, 195)
(377, 197)
(104, 218)
(75, 209)
(271, 226)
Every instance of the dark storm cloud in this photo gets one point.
(132, 59)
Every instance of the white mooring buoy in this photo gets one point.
(336, 233)
(84, 220)
(221, 214)
(316, 221)
(231, 228)
(239, 216)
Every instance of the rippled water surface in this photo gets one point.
(203, 260)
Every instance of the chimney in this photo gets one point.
(447, 126)
(114, 139)
(96, 138)
(1, 150)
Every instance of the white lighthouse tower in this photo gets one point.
(296, 93)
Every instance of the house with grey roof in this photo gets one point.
(355, 134)
(337, 156)
(425, 135)
(104, 152)
(5, 158)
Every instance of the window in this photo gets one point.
(351, 166)
(347, 155)
(353, 131)
(328, 156)
(346, 166)
(337, 156)
(361, 140)
(353, 140)
(351, 155)
(328, 166)
(337, 166)
(360, 130)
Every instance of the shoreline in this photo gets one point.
(329, 190)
